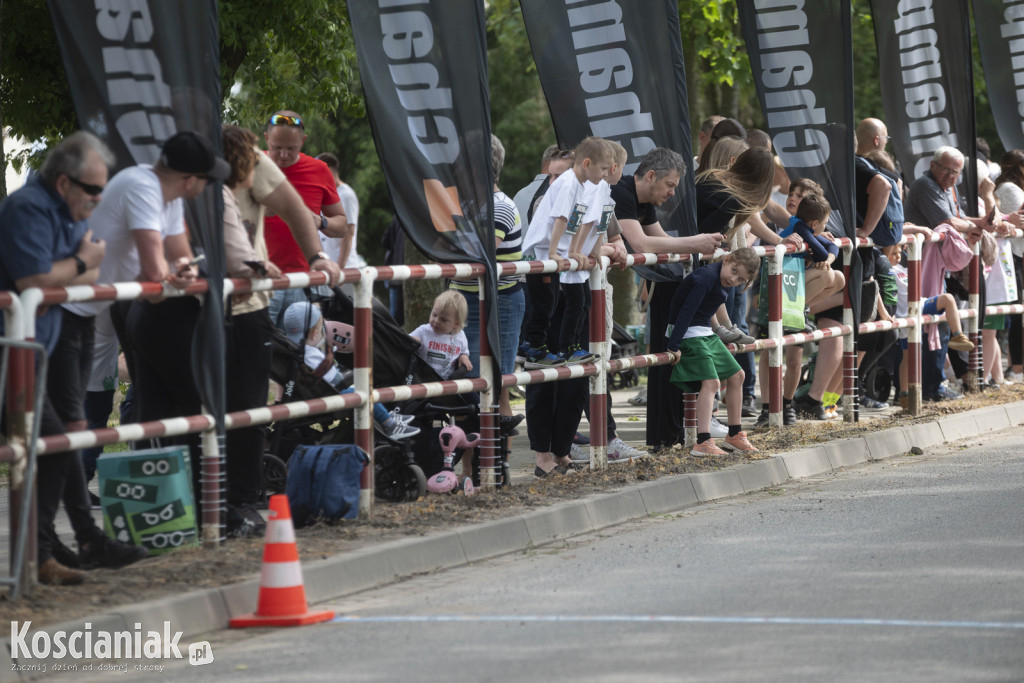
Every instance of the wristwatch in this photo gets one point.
(317, 256)
(79, 264)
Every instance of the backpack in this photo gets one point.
(889, 229)
(323, 482)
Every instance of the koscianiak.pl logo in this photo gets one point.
(87, 644)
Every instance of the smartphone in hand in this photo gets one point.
(257, 267)
(195, 261)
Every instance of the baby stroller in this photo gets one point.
(623, 345)
(395, 362)
(397, 477)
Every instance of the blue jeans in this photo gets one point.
(511, 308)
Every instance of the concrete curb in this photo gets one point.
(370, 567)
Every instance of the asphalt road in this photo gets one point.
(906, 570)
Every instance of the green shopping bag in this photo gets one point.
(792, 295)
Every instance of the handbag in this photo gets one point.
(793, 294)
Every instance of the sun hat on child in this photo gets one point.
(295, 317)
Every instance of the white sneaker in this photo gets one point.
(718, 430)
(577, 454)
(397, 430)
(1014, 377)
(396, 414)
(620, 451)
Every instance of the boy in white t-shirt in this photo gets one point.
(443, 343)
(561, 211)
(589, 240)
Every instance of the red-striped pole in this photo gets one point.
(490, 461)
(774, 293)
(362, 319)
(599, 381)
(849, 343)
(915, 305)
(689, 419)
(975, 373)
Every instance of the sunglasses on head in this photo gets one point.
(91, 190)
(282, 120)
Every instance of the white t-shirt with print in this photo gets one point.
(600, 207)
(564, 199)
(440, 350)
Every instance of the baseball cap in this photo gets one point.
(190, 152)
(295, 320)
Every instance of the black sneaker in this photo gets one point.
(749, 407)
(788, 415)
(63, 554)
(805, 406)
(108, 553)
(244, 521)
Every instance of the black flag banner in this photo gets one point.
(1001, 22)
(924, 59)
(423, 66)
(139, 71)
(802, 60)
(615, 70)
(801, 55)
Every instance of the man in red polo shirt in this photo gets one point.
(286, 134)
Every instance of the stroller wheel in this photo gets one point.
(273, 475)
(397, 480)
(878, 384)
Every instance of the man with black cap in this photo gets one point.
(142, 220)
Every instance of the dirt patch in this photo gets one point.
(239, 559)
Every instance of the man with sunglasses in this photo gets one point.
(44, 242)
(285, 134)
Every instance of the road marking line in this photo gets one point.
(668, 619)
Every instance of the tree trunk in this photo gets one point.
(419, 294)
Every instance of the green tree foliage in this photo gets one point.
(298, 54)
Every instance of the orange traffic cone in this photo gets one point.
(282, 600)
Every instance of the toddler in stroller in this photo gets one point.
(303, 324)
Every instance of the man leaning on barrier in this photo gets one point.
(44, 242)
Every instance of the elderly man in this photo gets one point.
(285, 134)
(931, 201)
(44, 242)
(636, 198)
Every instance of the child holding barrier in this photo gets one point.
(705, 361)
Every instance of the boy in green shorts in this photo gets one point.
(705, 361)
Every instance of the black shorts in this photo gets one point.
(70, 367)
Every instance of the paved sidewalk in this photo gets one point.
(373, 566)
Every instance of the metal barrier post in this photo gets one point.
(362, 318)
(975, 374)
(849, 341)
(689, 419)
(490, 460)
(599, 382)
(213, 487)
(915, 304)
(775, 332)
